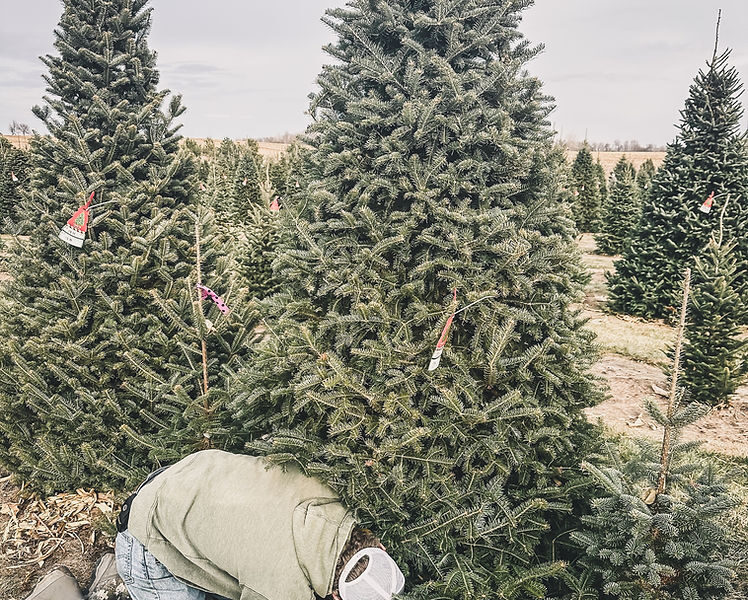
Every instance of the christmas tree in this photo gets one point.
(207, 327)
(288, 173)
(706, 164)
(79, 321)
(260, 240)
(602, 180)
(620, 213)
(246, 195)
(436, 204)
(655, 533)
(644, 177)
(14, 167)
(715, 360)
(585, 188)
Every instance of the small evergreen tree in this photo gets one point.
(260, 241)
(602, 179)
(655, 533)
(644, 177)
(709, 156)
(585, 187)
(621, 211)
(715, 360)
(14, 172)
(436, 178)
(184, 401)
(288, 173)
(257, 250)
(247, 195)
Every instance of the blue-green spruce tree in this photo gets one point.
(585, 189)
(621, 211)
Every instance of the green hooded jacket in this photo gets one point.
(235, 526)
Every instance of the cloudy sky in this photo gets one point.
(618, 71)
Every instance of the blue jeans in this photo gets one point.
(145, 577)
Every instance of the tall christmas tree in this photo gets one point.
(436, 205)
(585, 188)
(621, 211)
(78, 320)
(705, 165)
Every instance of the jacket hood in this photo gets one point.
(321, 528)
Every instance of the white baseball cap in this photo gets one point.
(381, 579)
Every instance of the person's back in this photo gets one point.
(234, 526)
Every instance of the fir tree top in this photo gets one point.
(434, 97)
(103, 108)
(708, 157)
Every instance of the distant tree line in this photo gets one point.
(615, 146)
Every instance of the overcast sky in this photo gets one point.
(618, 70)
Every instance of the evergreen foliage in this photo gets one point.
(602, 180)
(14, 172)
(621, 211)
(183, 402)
(585, 187)
(709, 155)
(669, 549)
(655, 534)
(715, 360)
(247, 194)
(288, 173)
(644, 177)
(258, 246)
(436, 173)
(79, 327)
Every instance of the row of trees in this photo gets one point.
(615, 146)
(610, 206)
(430, 189)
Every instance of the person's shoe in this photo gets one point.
(58, 584)
(105, 580)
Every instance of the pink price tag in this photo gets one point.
(206, 293)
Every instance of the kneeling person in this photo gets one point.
(236, 527)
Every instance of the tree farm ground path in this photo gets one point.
(631, 362)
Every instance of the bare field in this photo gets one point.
(609, 159)
(270, 150)
(273, 150)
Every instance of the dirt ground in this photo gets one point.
(724, 431)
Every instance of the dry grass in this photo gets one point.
(271, 150)
(644, 341)
(609, 159)
(619, 334)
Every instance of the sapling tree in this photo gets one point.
(654, 533)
